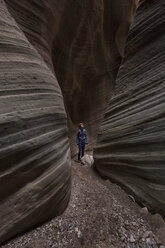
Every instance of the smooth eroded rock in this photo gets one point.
(130, 148)
(79, 42)
(34, 147)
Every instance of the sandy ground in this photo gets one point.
(100, 215)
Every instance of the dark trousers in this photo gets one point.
(81, 147)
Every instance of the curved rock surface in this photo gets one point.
(83, 42)
(130, 148)
(88, 52)
(34, 147)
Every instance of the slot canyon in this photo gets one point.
(99, 62)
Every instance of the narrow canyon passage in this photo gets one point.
(99, 215)
(65, 62)
(54, 56)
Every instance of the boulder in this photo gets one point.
(87, 160)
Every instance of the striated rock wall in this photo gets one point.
(130, 148)
(34, 147)
(85, 41)
(82, 42)
(88, 51)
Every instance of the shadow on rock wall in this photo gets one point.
(130, 148)
(83, 42)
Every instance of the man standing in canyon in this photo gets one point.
(81, 140)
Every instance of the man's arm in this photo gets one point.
(77, 138)
(86, 138)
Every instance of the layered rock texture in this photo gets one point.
(131, 140)
(34, 147)
(85, 41)
(87, 53)
(80, 44)
(95, 54)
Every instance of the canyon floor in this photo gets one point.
(99, 215)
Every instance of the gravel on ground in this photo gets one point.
(99, 215)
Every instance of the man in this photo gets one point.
(81, 140)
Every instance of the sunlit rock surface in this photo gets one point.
(131, 140)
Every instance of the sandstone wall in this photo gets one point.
(88, 52)
(131, 140)
(34, 147)
(84, 40)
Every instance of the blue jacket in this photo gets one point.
(81, 137)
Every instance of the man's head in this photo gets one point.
(80, 125)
